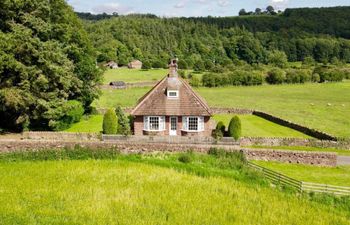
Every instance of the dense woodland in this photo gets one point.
(319, 34)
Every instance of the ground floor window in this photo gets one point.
(154, 123)
(193, 123)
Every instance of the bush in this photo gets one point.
(198, 66)
(275, 76)
(73, 112)
(123, 122)
(110, 122)
(234, 128)
(219, 131)
(315, 78)
(277, 58)
(182, 73)
(194, 81)
(297, 76)
(329, 74)
(146, 65)
(185, 158)
(158, 64)
(182, 64)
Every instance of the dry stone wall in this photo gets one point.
(312, 158)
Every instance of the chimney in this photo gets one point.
(173, 68)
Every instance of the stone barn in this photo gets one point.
(135, 64)
(171, 107)
(112, 65)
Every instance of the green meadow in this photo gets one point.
(305, 148)
(339, 175)
(155, 189)
(133, 75)
(324, 107)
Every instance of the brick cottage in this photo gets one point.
(172, 108)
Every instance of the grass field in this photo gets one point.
(132, 76)
(304, 148)
(325, 107)
(254, 126)
(90, 124)
(325, 175)
(122, 191)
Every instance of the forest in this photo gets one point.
(319, 34)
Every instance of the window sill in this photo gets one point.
(192, 131)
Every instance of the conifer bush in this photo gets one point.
(235, 128)
(110, 122)
(123, 122)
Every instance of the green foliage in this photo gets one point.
(46, 59)
(110, 122)
(329, 74)
(185, 158)
(73, 111)
(237, 77)
(123, 122)
(277, 58)
(194, 81)
(234, 128)
(275, 76)
(219, 131)
(294, 76)
(146, 65)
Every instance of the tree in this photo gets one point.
(277, 58)
(194, 81)
(235, 128)
(146, 65)
(242, 12)
(110, 122)
(46, 60)
(123, 122)
(275, 76)
(270, 10)
(258, 11)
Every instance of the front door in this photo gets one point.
(173, 126)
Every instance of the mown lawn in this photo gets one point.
(90, 124)
(132, 76)
(304, 148)
(326, 175)
(125, 192)
(254, 126)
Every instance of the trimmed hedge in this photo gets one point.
(110, 122)
(235, 128)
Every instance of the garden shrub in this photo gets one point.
(110, 122)
(219, 131)
(123, 122)
(275, 76)
(234, 128)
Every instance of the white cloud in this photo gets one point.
(223, 3)
(180, 5)
(279, 4)
(110, 8)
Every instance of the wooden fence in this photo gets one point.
(300, 186)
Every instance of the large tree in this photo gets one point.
(46, 61)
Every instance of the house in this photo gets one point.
(171, 107)
(112, 65)
(135, 64)
(118, 84)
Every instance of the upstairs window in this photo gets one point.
(173, 94)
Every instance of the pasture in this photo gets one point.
(325, 107)
(148, 190)
(133, 75)
(306, 148)
(339, 175)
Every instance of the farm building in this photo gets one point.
(135, 64)
(171, 107)
(112, 65)
(118, 84)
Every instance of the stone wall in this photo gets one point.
(47, 135)
(312, 158)
(232, 111)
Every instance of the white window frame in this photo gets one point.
(173, 91)
(147, 123)
(185, 123)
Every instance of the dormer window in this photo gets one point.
(173, 94)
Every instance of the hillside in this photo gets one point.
(300, 33)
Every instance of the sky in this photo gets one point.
(187, 8)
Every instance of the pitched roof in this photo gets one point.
(156, 101)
